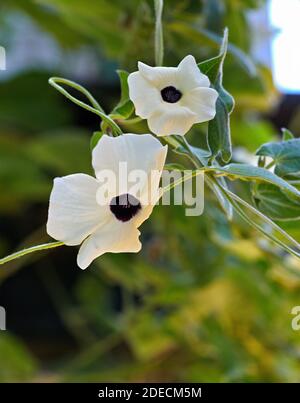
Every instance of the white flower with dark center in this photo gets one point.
(78, 211)
(172, 99)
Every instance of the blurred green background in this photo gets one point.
(205, 300)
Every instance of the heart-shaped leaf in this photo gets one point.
(286, 156)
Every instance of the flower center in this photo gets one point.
(170, 94)
(124, 207)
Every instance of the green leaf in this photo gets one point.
(219, 132)
(286, 134)
(270, 200)
(94, 139)
(224, 203)
(20, 365)
(224, 95)
(174, 167)
(180, 146)
(219, 138)
(286, 155)
(202, 155)
(57, 151)
(211, 67)
(125, 107)
(241, 57)
(249, 172)
(214, 67)
(264, 224)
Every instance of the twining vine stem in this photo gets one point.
(96, 108)
(23, 252)
(158, 41)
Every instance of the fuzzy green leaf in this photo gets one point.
(125, 107)
(219, 138)
(286, 134)
(286, 155)
(249, 172)
(270, 200)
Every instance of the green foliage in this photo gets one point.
(202, 36)
(250, 172)
(58, 151)
(286, 134)
(125, 107)
(42, 110)
(285, 155)
(94, 139)
(218, 135)
(275, 204)
(205, 300)
(17, 363)
(26, 163)
(251, 133)
(21, 180)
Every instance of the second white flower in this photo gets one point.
(172, 99)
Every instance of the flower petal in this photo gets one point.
(114, 237)
(202, 101)
(139, 150)
(190, 76)
(172, 120)
(159, 77)
(151, 193)
(73, 210)
(146, 97)
(130, 158)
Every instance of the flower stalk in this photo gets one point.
(95, 108)
(32, 249)
(159, 41)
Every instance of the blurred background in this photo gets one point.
(205, 300)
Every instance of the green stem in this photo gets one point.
(159, 41)
(193, 157)
(236, 201)
(55, 80)
(130, 121)
(32, 249)
(182, 179)
(96, 108)
(270, 165)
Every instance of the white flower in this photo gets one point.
(172, 99)
(77, 213)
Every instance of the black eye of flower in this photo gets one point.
(124, 207)
(170, 94)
